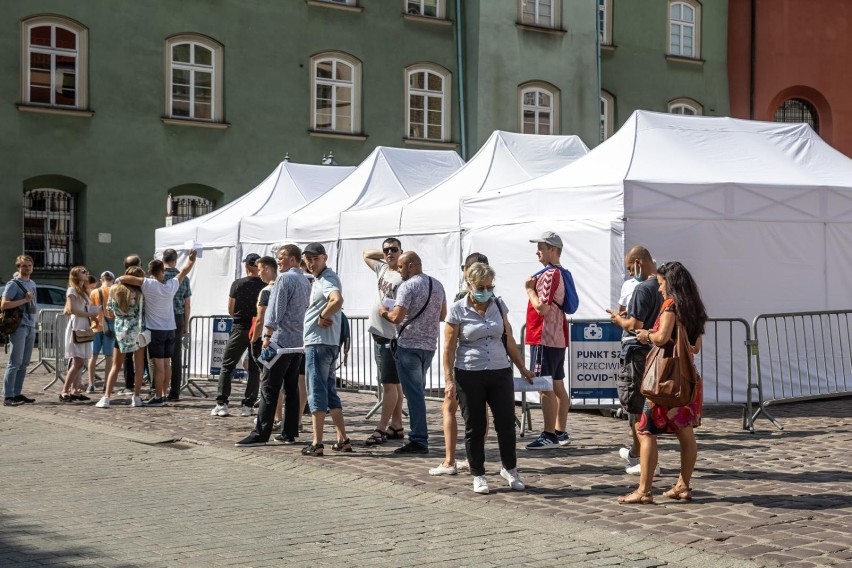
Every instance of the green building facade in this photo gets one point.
(108, 107)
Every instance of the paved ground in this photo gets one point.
(772, 498)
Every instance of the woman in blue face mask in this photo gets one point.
(478, 347)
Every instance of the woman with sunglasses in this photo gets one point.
(478, 346)
(681, 303)
(78, 307)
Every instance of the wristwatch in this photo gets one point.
(267, 337)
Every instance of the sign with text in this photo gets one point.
(594, 351)
(220, 333)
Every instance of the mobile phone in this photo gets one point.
(631, 331)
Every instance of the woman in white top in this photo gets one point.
(78, 307)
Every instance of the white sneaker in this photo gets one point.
(136, 401)
(480, 485)
(463, 465)
(222, 410)
(624, 453)
(103, 402)
(245, 410)
(215, 411)
(444, 470)
(637, 470)
(511, 475)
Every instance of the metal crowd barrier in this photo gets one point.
(50, 326)
(802, 356)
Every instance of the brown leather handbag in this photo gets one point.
(670, 378)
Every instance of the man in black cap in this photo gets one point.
(242, 306)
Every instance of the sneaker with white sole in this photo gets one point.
(544, 441)
(245, 410)
(463, 465)
(103, 402)
(220, 410)
(564, 439)
(624, 453)
(480, 485)
(511, 475)
(637, 470)
(136, 401)
(91, 388)
(444, 469)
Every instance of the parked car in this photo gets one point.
(49, 297)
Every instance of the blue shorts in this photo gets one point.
(548, 361)
(104, 344)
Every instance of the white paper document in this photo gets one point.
(544, 383)
(192, 245)
(281, 351)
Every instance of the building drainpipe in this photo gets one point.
(461, 79)
(753, 35)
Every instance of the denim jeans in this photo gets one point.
(412, 365)
(22, 350)
(319, 364)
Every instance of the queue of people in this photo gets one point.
(290, 321)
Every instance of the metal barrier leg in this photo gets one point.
(193, 384)
(762, 410)
(380, 395)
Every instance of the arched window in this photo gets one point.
(540, 13)
(49, 228)
(186, 207)
(194, 68)
(539, 108)
(54, 62)
(797, 110)
(686, 106)
(685, 29)
(428, 102)
(336, 93)
(607, 114)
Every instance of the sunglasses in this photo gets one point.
(84, 272)
(388, 250)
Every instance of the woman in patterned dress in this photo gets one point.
(78, 307)
(682, 302)
(125, 302)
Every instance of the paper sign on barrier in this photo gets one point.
(221, 332)
(544, 383)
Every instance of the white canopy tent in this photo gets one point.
(429, 223)
(289, 187)
(758, 212)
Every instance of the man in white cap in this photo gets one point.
(547, 336)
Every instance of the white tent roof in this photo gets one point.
(289, 187)
(505, 159)
(385, 176)
(773, 167)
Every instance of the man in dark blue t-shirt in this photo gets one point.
(643, 308)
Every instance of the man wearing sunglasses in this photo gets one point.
(384, 263)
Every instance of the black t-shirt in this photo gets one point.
(244, 291)
(645, 305)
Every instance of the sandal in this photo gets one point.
(679, 493)
(636, 498)
(395, 433)
(313, 450)
(344, 446)
(376, 438)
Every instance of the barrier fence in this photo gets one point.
(50, 327)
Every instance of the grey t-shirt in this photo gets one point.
(412, 294)
(14, 293)
(644, 305)
(323, 286)
(389, 281)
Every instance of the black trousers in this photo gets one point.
(475, 389)
(177, 358)
(284, 372)
(130, 371)
(238, 342)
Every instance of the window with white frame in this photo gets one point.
(605, 22)
(427, 8)
(194, 78)
(54, 66)
(336, 88)
(49, 228)
(540, 13)
(607, 114)
(688, 107)
(539, 108)
(685, 29)
(428, 102)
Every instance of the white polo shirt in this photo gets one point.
(159, 303)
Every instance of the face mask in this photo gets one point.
(636, 274)
(482, 296)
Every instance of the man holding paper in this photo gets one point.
(283, 327)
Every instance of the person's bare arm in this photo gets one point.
(373, 257)
(131, 280)
(335, 303)
(396, 315)
(514, 352)
(185, 270)
(540, 307)
(451, 339)
(187, 305)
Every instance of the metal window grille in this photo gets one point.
(185, 208)
(49, 228)
(797, 110)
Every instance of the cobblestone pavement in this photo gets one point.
(771, 498)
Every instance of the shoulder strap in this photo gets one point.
(21, 286)
(428, 299)
(103, 304)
